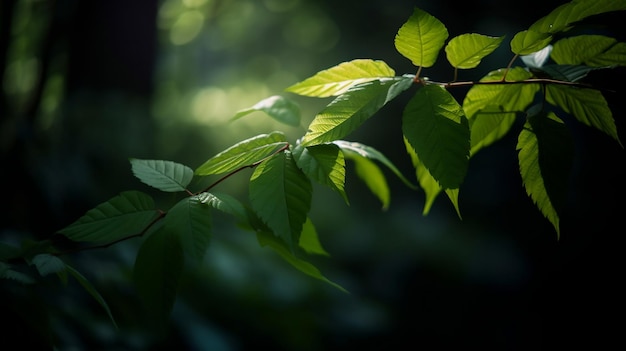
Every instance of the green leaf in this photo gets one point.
(421, 38)
(163, 175)
(325, 164)
(587, 105)
(467, 50)
(436, 127)
(225, 203)
(528, 41)
(303, 266)
(488, 126)
(7, 273)
(543, 143)
(372, 176)
(245, 153)
(568, 73)
(309, 241)
(191, 219)
(92, 291)
(48, 264)
(278, 107)
(349, 110)
(127, 214)
(157, 271)
(281, 195)
(371, 153)
(591, 50)
(338, 79)
(564, 16)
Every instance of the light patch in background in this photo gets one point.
(187, 27)
(51, 100)
(281, 5)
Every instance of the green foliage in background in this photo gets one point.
(440, 133)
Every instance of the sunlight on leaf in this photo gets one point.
(278, 107)
(338, 79)
(372, 176)
(309, 241)
(421, 38)
(467, 50)
(325, 164)
(591, 50)
(564, 16)
(164, 175)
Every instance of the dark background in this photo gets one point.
(110, 81)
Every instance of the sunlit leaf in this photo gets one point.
(281, 195)
(278, 107)
(587, 105)
(591, 50)
(303, 266)
(435, 126)
(157, 271)
(163, 175)
(92, 291)
(127, 214)
(372, 153)
(349, 110)
(244, 153)
(528, 41)
(191, 219)
(372, 176)
(564, 16)
(338, 79)
(467, 50)
(309, 240)
(325, 164)
(421, 38)
(488, 126)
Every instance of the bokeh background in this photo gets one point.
(88, 84)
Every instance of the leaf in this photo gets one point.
(338, 79)
(467, 50)
(528, 42)
(373, 154)
(245, 153)
(92, 291)
(564, 16)
(590, 50)
(435, 126)
(349, 110)
(325, 164)
(538, 58)
(278, 107)
(421, 38)
(157, 271)
(538, 148)
(309, 241)
(7, 273)
(281, 195)
(127, 214)
(587, 105)
(488, 126)
(190, 218)
(283, 250)
(163, 175)
(48, 264)
(568, 73)
(225, 203)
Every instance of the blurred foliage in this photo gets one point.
(88, 84)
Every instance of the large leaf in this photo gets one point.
(591, 50)
(587, 105)
(541, 146)
(163, 175)
(435, 126)
(244, 153)
(278, 107)
(92, 291)
(157, 271)
(338, 79)
(349, 110)
(281, 195)
(371, 153)
(303, 266)
(325, 164)
(564, 16)
(421, 38)
(127, 214)
(191, 219)
(467, 50)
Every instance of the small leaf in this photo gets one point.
(92, 291)
(48, 264)
(528, 41)
(278, 107)
(127, 214)
(421, 38)
(372, 176)
(244, 153)
(281, 195)
(348, 111)
(303, 266)
(309, 241)
(325, 164)
(338, 79)
(163, 175)
(190, 218)
(467, 50)
(436, 127)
